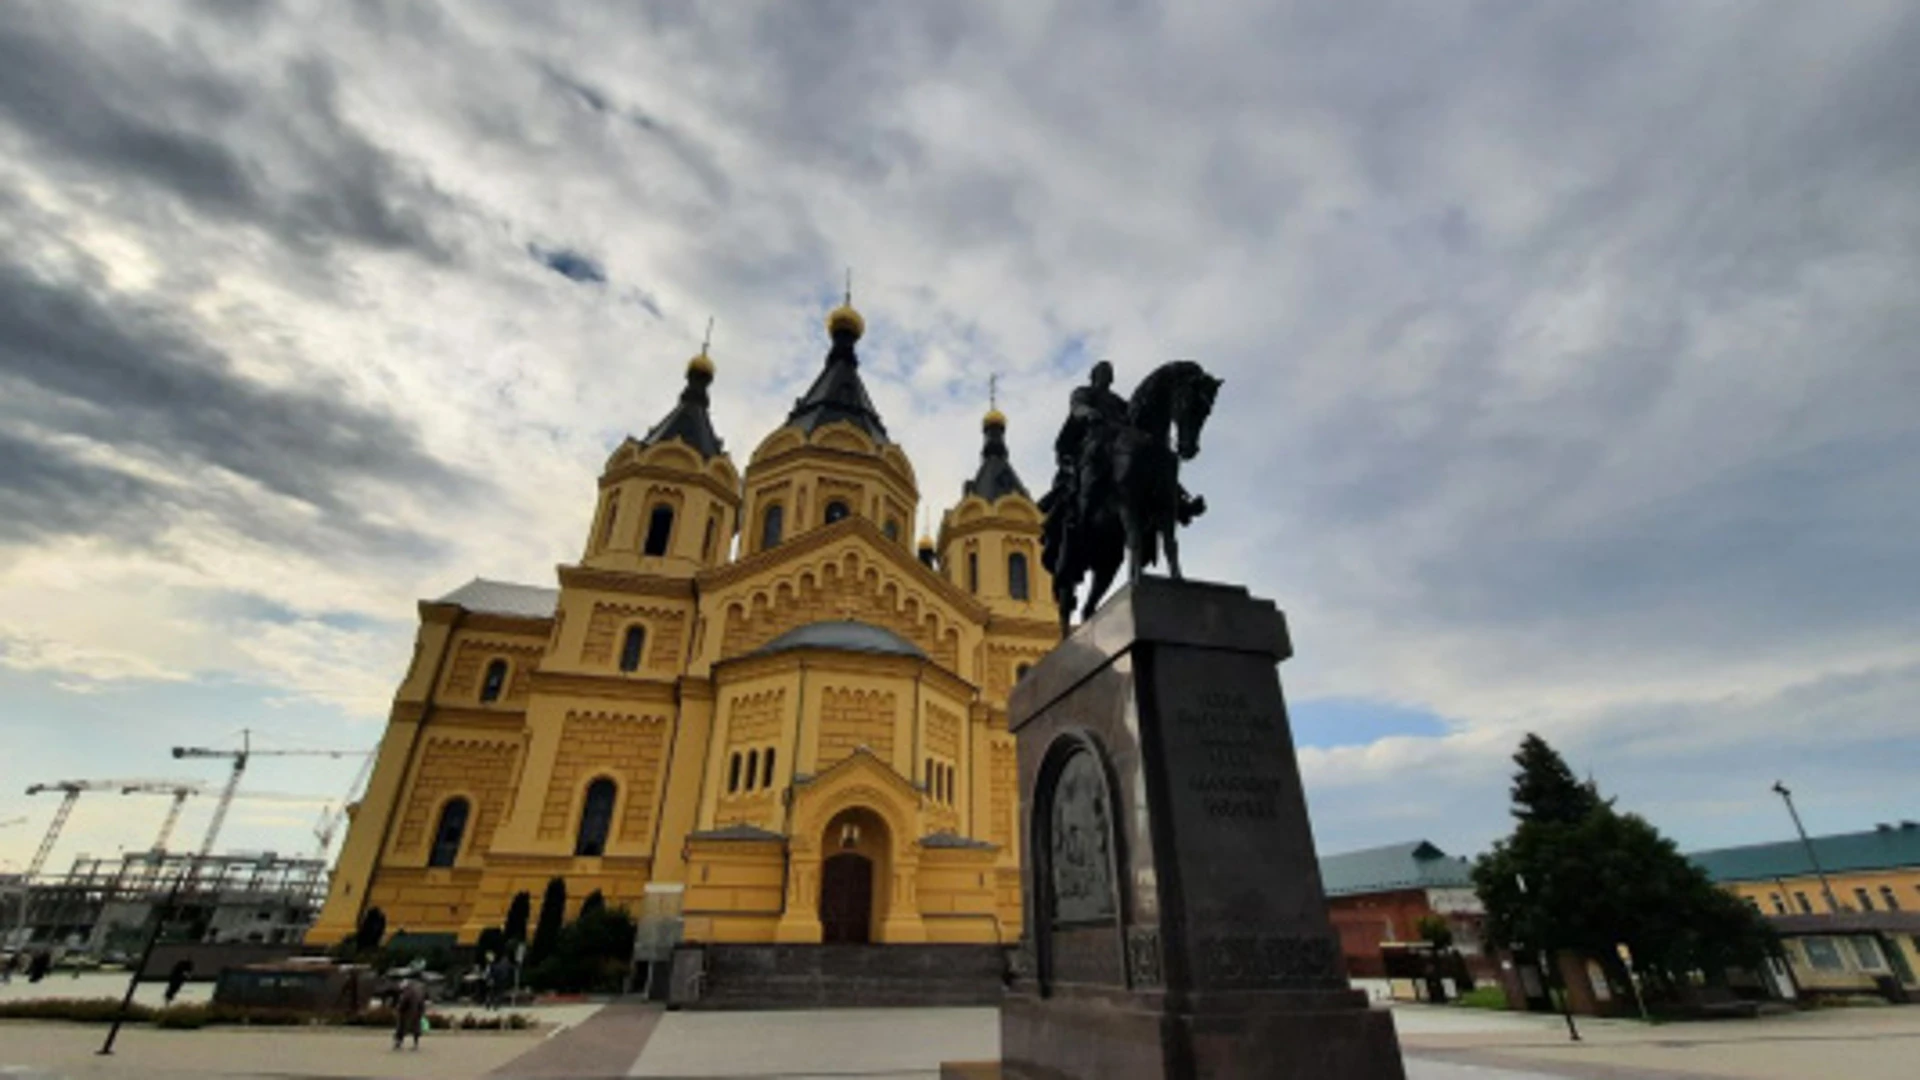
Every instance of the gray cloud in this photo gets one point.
(77, 360)
(165, 117)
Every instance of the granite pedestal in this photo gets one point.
(1176, 925)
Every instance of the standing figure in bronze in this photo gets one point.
(1116, 485)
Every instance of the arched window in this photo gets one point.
(973, 571)
(733, 774)
(766, 769)
(770, 526)
(892, 530)
(1017, 575)
(933, 780)
(495, 682)
(950, 775)
(596, 818)
(836, 510)
(447, 836)
(659, 530)
(706, 544)
(631, 647)
(612, 516)
(753, 768)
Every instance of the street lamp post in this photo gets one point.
(1826, 887)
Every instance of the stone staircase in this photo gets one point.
(836, 976)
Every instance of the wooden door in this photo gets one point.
(846, 899)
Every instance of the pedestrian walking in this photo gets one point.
(177, 978)
(499, 981)
(409, 1012)
(38, 967)
(8, 966)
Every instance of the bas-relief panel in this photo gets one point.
(1080, 837)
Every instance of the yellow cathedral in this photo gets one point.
(796, 737)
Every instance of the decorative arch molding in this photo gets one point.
(471, 656)
(665, 627)
(845, 583)
(627, 748)
(478, 769)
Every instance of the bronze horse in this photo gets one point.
(1135, 502)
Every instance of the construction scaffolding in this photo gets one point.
(260, 898)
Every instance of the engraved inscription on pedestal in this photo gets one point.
(1143, 957)
(1271, 962)
(1082, 843)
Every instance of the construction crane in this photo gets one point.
(181, 793)
(331, 817)
(240, 758)
(71, 790)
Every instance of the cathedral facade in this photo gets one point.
(754, 703)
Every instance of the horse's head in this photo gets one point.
(1193, 398)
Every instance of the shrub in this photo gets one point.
(78, 1010)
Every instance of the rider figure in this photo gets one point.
(1094, 414)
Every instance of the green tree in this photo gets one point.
(1580, 876)
(1544, 789)
(594, 902)
(591, 954)
(518, 912)
(553, 915)
(1434, 930)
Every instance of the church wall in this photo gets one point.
(756, 709)
(957, 898)
(736, 890)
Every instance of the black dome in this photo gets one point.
(845, 635)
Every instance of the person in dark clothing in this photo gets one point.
(409, 1012)
(499, 981)
(41, 964)
(177, 978)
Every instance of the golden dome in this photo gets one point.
(844, 318)
(701, 365)
(994, 418)
(926, 542)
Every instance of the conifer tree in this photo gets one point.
(518, 913)
(1545, 789)
(553, 915)
(592, 905)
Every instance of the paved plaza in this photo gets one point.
(621, 1039)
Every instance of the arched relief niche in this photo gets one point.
(1076, 877)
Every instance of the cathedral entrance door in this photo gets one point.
(846, 899)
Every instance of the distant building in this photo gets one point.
(105, 905)
(1867, 933)
(1377, 898)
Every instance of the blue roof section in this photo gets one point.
(1414, 865)
(845, 635)
(504, 598)
(1890, 847)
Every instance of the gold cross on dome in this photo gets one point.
(993, 391)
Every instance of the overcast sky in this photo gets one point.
(1570, 352)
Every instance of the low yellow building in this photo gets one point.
(1866, 929)
(798, 737)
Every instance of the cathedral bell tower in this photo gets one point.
(669, 502)
(831, 460)
(990, 541)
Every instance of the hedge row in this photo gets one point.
(184, 1017)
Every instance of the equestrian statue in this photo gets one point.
(1116, 484)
